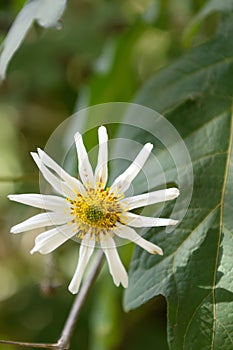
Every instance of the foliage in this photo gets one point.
(121, 51)
(196, 265)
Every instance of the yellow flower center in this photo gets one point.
(98, 209)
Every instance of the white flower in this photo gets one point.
(90, 210)
(46, 12)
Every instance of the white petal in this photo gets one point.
(146, 221)
(42, 220)
(130, 234)
(46, 12)
(85, 252)
(101, 172)
(48, 241)
(84, 166)
(41, 201)
(150, 198)
(73, 183)
(49, 12)
(56, 183)
(116, 267)
(16, 34)
(122, 182)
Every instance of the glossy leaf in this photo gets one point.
(195, 275)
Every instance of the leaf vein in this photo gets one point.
(220, 229)
(194, 313)
(226, 331)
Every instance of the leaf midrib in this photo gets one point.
(229, 151)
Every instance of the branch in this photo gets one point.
(68, 329)
(30, 345)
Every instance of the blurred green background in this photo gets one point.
(104, 53)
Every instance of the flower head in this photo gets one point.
(46, 12)
(90, 210)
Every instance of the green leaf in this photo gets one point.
(203, 69)
(224, 6)
(195, 93)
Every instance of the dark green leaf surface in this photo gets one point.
(195, 274)
(209, 8)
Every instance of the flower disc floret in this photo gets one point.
(98, 209)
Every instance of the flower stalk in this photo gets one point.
(71, 321)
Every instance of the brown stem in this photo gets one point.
(68, 329)
(29, 345)
(69, 326)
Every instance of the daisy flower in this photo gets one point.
(46, 13)
(91, 211)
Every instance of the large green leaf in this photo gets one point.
(195, 94)
(209, 8)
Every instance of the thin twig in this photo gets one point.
(29, 345)
(69, 326)
(68, 329)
